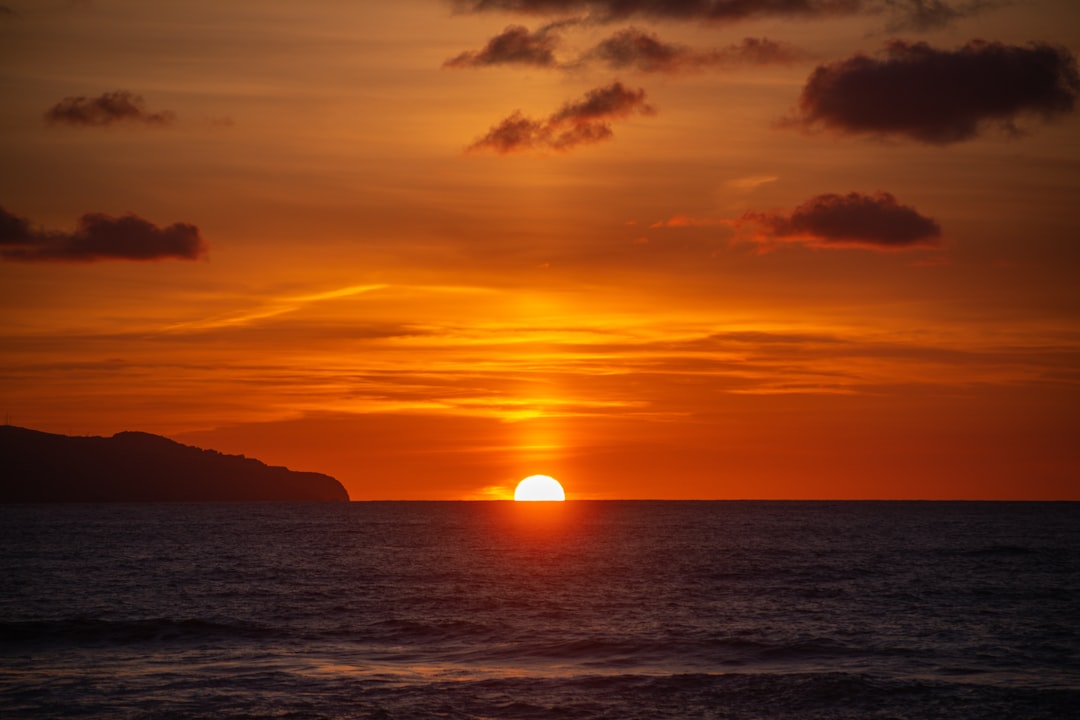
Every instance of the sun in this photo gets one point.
(539, 487)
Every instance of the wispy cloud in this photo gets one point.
(930, 14)
(751, 182)
(939, 96)
(628, 49)
(686, 221)
(98, 237)
(271, 308)
(108, 108)
(636, 49)
(515, 45)
(582, 122)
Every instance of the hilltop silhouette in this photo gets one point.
(140, 467)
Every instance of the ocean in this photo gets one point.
(586, 609)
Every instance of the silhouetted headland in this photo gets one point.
(140, 467)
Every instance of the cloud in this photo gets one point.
(939, 96)
(908, 14)
(853, 220)
(645, 52)
(98, 237)
(578, 123)
(930, 14)
(751, 182)
(106, 109)
(630, 48)
(611, 10)
(273, 307)
(686, 221)
(515, 46)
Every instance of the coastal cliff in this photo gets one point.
(139, 467)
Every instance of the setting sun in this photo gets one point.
(539, 487)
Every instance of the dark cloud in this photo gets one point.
(830, 220)
(578, 123)
(639, 50)
(514, 46)
(940, 96)
(906, 14)
(106, 109)
(14, 230)
(98, 237)
(631, 48)
(613, 101)
(611, 10)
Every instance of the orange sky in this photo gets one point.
(819, 254)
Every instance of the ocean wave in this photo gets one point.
(1001, 551)
(645, 610)
(599, 653)
(95, 631)
(730, 696)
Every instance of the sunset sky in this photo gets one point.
(693, 249)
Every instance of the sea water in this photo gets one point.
(584, 610)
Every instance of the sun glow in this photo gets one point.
(539, 487)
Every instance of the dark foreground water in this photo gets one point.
(584, 610)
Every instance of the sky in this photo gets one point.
(700, 249)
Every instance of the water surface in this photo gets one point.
(579, 610)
